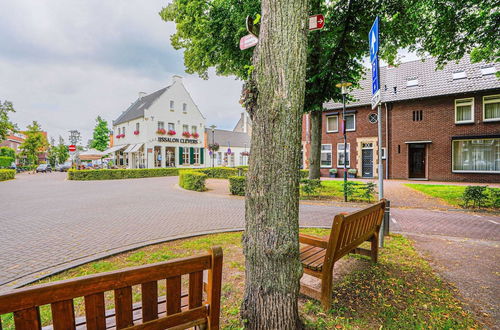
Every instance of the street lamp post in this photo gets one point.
(343, 87)
(213, 143)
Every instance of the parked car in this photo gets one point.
(44, 168)
(65, 167)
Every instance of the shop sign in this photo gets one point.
(177, 140)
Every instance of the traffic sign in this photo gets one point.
(373, 39)
(316, 22)
(72, 148)
(248, 41)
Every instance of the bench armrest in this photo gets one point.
(313, 240)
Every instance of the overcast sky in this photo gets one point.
(64, 62)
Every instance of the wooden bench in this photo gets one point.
(176, 310)
(318, 255)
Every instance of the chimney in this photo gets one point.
(177, 78)
(141, 95)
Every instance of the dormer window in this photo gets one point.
(488, 70)
(412, 82)
(459, 75)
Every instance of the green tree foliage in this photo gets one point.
(7, 152)
(62, 151)
(100, 139)
(6, 126)
(52, 153)
(34, 144)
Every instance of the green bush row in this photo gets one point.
(7, 152)
(7, 175)
(237, 185)
(5, 161)
(481, 196)
(106, 174)
(192, 180)
(304, 174)
(219, 172)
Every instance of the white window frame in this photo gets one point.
(471, 110)
(497, 96)
(171, 126)
(348, 155)
(194, 129)
(185, 128)
(137, 126)
(453, 158)
(185, 156)
(328, 130)
(184, 107)
(196, 155)
(326, 152)
(172, 104)
(354, 116)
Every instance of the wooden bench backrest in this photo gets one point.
(349, 231)
(25, 302)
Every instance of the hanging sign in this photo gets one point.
(248, 41)
(316, 22)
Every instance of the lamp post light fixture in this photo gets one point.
(213, 143)
(343, 87)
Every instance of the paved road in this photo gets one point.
(48, 223)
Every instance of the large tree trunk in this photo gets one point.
(315, 159)
(271, 246)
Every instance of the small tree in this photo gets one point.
(6, 126)
(34, 144)
(100, 139)
(62, 151)
(52, 153)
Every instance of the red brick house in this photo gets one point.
(437, 124)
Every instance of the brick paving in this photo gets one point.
(50, 224)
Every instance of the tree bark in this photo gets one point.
(270, 241)
(315, 158)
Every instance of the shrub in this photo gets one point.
(304, 174)
(219, 172)
(333, 171)
(475, 194)
(494, 197)
(7, 152)
(242, 170)
(121, 173)
(237, 185)
(192, 180)
(5, 161)
(352, 171)
(367, 191)
(309, 186)
(7, 175)
(349, 189)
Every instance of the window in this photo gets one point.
(488, 70)
(479, 155)
(350, 122)
(194, 129)
(326, 155)
(171, 126)
(119, 131)
(459, 75)
(332, 124)
(123, 130)
(137, 127)
(340, 155)
(184, 107)
(161, 125)
(464, 110)
(196, 155)
(418, 115)
(185, 128)
(185, 156)
(491, 108)
(373, 118)
(412, 82)
(171, 105)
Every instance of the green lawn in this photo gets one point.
(400, 292)
(451, 194)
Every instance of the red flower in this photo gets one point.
(136, 132)
(161, 131)
(195, 135)
(186, 134)
(171, 132)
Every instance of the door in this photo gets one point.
(417, 161)
(170, 156)
(367, 163)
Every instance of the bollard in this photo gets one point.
(387, 218)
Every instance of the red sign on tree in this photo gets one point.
(316, 22)
(72, 148)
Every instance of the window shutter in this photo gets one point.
(191, 155)
(181, 151)
(202, 155)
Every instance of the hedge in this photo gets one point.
(7, 175)
(219, 172)
(192, 180)
(121, 173)
(5, 161)
(304, 174)
(237, 185)
(8, 152)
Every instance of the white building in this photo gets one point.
(161, 129)
(234, 148)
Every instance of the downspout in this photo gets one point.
(386, 141)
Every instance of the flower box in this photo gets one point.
(213, 147)
(136, 132)
(171, 132)
(333, 173)
(245, 153)
(351, 173)
(195, 135)
(186, 134)
(161, 131)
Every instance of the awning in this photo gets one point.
(130, 146)
(113, 149)
(410, 142)
(137, 147)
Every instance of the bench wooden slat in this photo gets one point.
(27, 319)
(309, 253)
(149, 293)
(95, 311)
(63, 315)
(195, 289)
(173, 295)
(187, 319)
(214, 287)
(123, 307)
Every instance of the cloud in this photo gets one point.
(65, 62)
